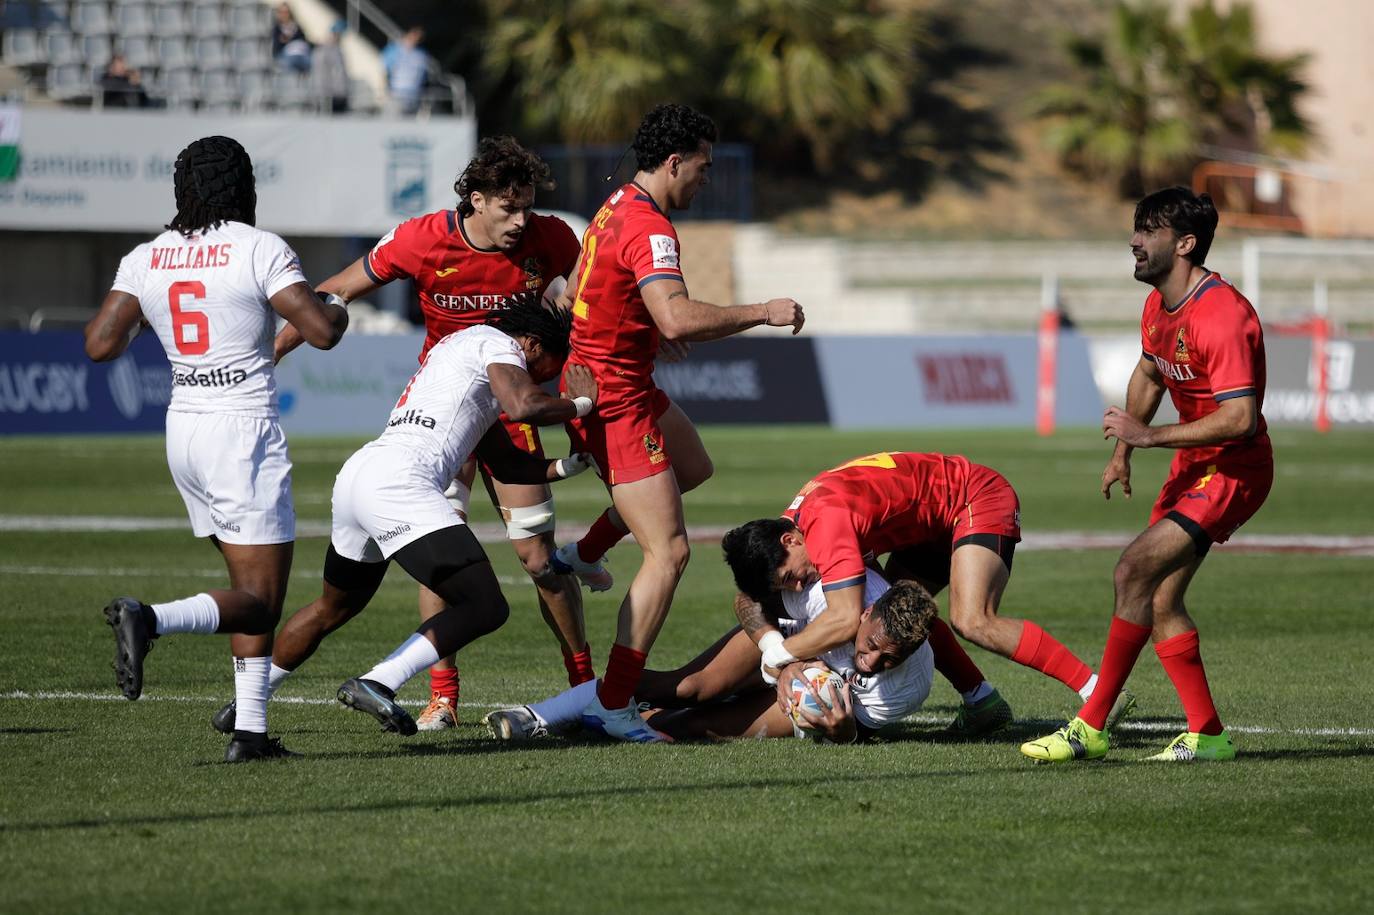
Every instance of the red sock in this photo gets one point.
(1124, 643)
(1182, 661)
(598, 541)
(1045, 653)
(951, 660)
(444, 682)
(623, 671)
(579, 665)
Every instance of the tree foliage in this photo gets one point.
(1151, 90)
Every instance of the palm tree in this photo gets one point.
(586, 70)
(1125, 117)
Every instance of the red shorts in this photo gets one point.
(992, 506)
(522, 435)
(1218, 497)
(622, 434)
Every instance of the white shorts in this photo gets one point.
(234, 474)
(382, 502)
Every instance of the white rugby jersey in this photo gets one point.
(881, 698)
(206, 297)
(448, 406)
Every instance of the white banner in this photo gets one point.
(316, 175)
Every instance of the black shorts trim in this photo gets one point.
(351, 575)
(1002, 545)
(1202, 541)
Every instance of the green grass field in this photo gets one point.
(111, 805)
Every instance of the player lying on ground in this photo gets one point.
(886, 673)
(1202, 341)
(469, 264)
(389, 497)
(942, 519)
(211, 287)
(629, 294)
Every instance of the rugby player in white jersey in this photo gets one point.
(389, 500)
(886, 672)
(211, 287)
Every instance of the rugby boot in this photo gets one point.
(594, 575)
(621, 724)
(134, 627)
(1075, 740)
(247, 747)
(1121, 709)
(515, 724)
(223, 720)
(986, 716)
(376, 700)
(439, 715)
(1190, 747)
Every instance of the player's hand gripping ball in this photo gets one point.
(824, 681)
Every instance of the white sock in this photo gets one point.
(567, 706)
(198, 614)
(250, 694)
(1087, 689)
(978, 693)
(275, 675)
(416, 653)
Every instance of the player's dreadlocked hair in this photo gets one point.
(669, 129)
(214, 184)
(1178, 208)
(906, 612)
(527, 316)
(754, 551)
(501, 164)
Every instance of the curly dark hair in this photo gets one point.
(527, 316)
(906, 612)
(213, 180)
(754, 551)
(669, 129)
(1178, 208)
(501, 164)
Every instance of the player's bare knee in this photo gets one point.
(970, 624)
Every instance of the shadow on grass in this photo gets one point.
(23, 731)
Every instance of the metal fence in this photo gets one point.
(581, 174)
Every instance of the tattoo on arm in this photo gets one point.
(750, 614)
(681, 293)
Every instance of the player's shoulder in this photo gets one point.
(439, 224)
(1222, 302)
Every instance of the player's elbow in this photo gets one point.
(100, 350)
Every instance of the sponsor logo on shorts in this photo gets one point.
(224, 525)
(411, 418)
(210, 378)
(1207, 477)
(396, 531)
(654, 450)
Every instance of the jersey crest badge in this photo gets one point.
(1180, 349)
(534, 275)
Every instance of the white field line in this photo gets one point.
(221, 574)
(490, 532)
(1166, 727)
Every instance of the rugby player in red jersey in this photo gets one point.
(1202, 342)
(944, 521)
(468, 265)
(628, 295)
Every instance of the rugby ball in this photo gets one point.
(824, 681)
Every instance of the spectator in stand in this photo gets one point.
(406, 65)
(328, 70)
(121, 86)
(290, 49)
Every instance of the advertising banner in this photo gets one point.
(112, 170)
(348, 390)
(747, 380)
(1290, 391)
(47, 385)
(949, 381)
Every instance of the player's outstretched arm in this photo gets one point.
(837, 625)
(348, 284)
(526, 402)
(321, 323)
(114, 327)
(680, 317)
(509, 464)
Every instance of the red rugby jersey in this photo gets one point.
(1209, 348)
(461, 285)
(629, 244)
(876, 504)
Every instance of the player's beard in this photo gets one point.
(1155, 268)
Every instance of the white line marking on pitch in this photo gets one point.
(87, 571)
(1151, 727)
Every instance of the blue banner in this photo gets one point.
(48, 385)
